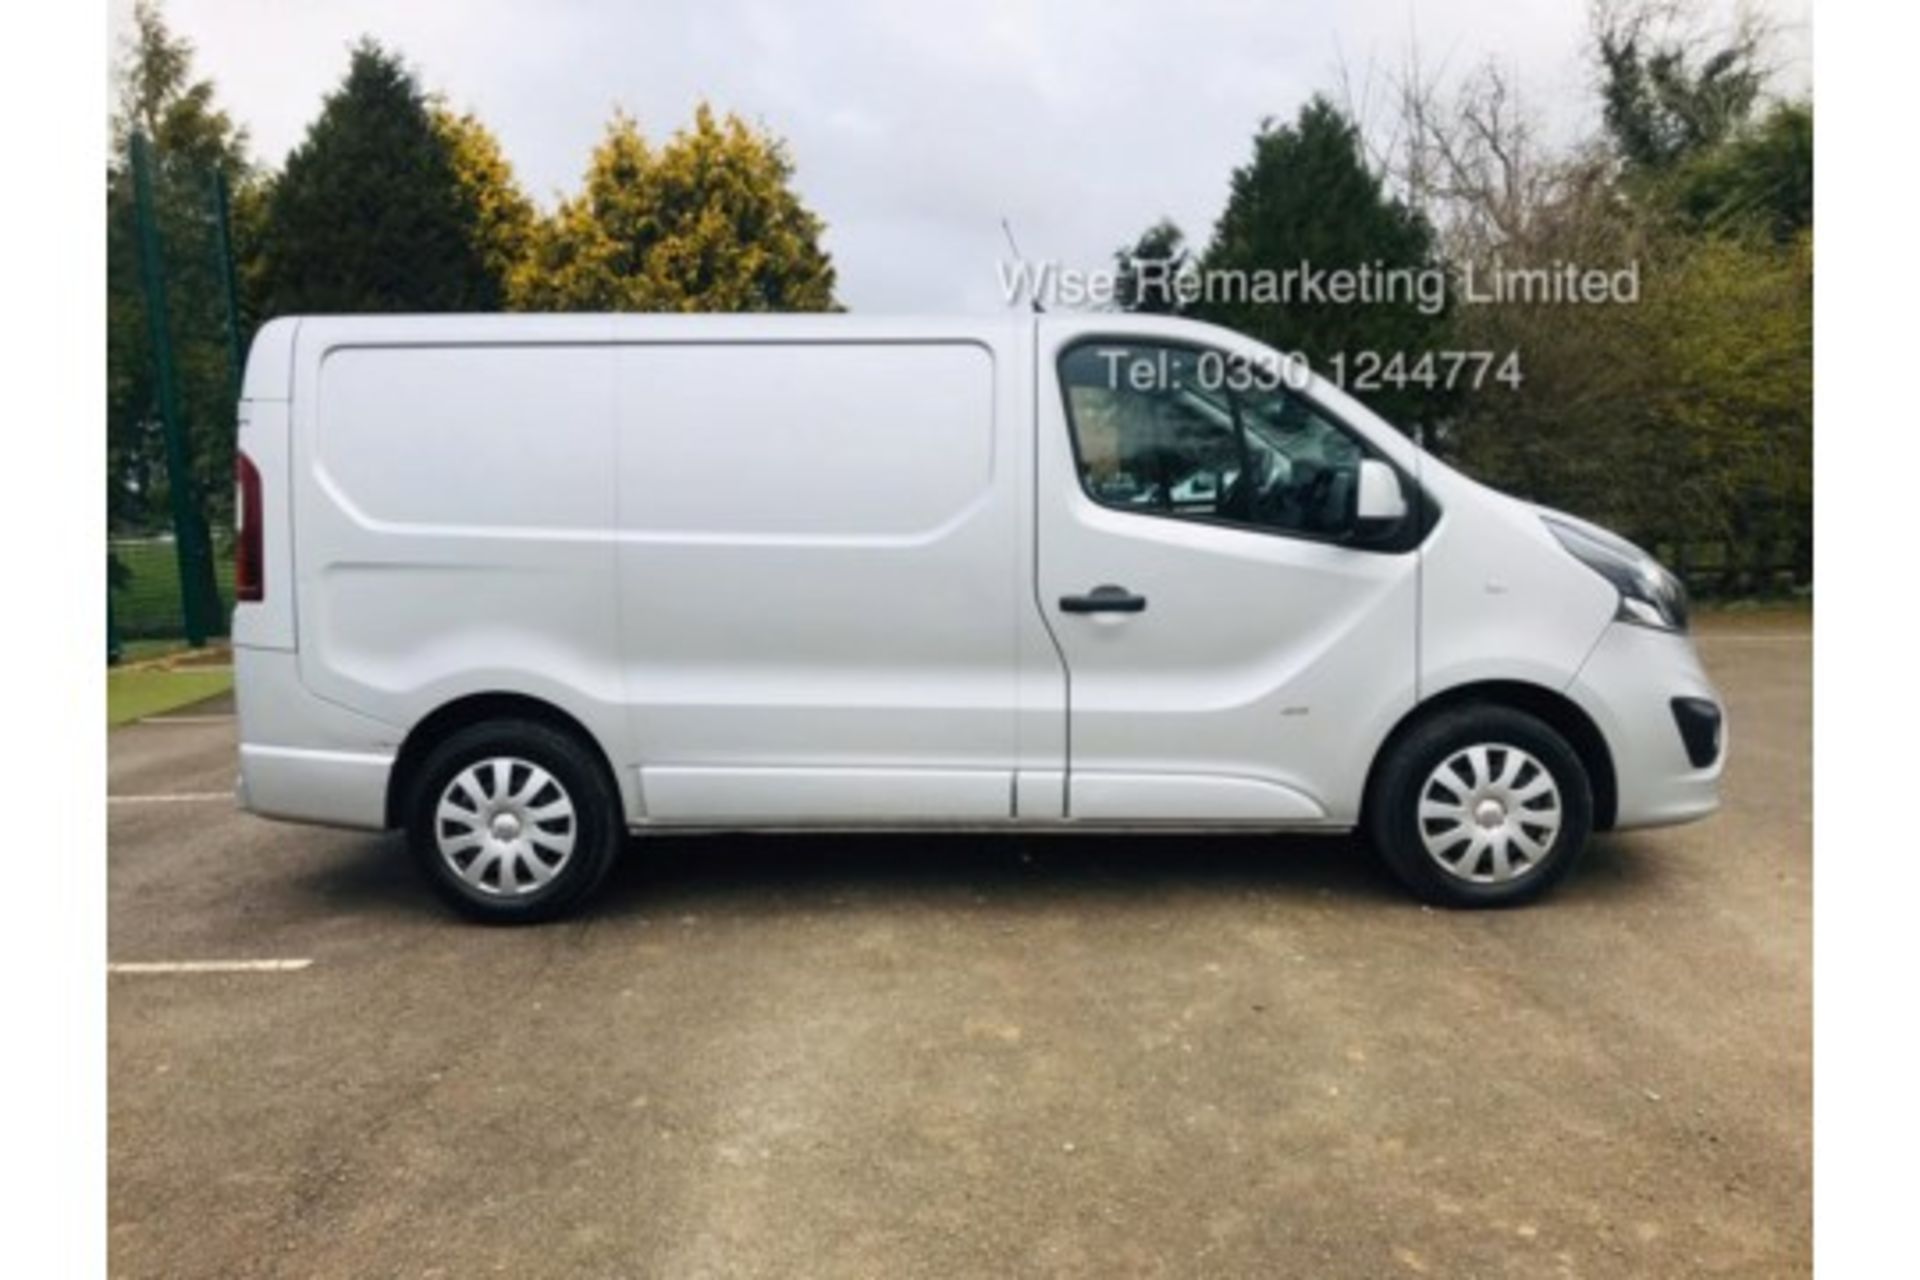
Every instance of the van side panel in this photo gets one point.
(455, 514)
(821, 575)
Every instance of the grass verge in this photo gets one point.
(139, 692)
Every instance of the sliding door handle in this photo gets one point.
(1104, 599)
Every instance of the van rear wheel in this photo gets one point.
(1481, 806)
(513, 821)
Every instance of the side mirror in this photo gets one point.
(1379, 502)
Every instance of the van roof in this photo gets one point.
(270, 363)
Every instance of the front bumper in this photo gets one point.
(1630, 685)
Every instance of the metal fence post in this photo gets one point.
(114, 650)
(223, 247)
(199, 598)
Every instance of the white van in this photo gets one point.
(522, 585)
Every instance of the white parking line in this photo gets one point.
(177, 797)
(210, 966)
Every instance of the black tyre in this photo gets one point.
(1480, 806)
(513, 821)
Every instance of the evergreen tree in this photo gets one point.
(370, 213)
(1307, 202)
(590, 255)
(1658, 105)
(499, 217)
(708, 222)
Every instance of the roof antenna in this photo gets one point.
(1007, 229)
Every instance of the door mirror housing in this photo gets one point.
(1379, 501)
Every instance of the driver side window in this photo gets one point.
(1146, 434)
(1180, 432)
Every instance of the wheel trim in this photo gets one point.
(505, 827)
(1489, 813)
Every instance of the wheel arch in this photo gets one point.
(1560, 712)
(474, 708)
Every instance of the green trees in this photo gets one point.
(397, 203)
(706, 223)
(1662, 98)
(192, 139)
(1683, 119)
(369, 213)
(1684, 419)
(1760, 180)
(1731, 383)
(496, 216)
(1308, 198)
(1308, 202)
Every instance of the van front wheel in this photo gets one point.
(512, 821)
(1481, 806)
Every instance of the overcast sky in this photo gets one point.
(913, 127)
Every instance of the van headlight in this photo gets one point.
(1650, 595)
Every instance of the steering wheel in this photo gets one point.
(1246, 496)
(1313, 500)
(1275, 497)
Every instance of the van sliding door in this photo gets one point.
(818, 577)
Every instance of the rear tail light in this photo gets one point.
(249, 571)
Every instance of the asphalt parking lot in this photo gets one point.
(906, 1056)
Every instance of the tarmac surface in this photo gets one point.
(902, 1056)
